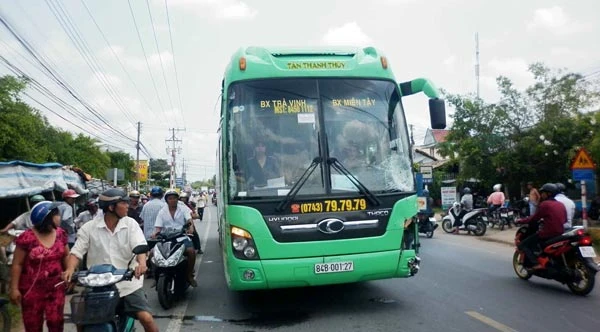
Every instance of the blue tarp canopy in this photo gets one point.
(21, 179)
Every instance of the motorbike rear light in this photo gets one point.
(580, 232)
(585, 241)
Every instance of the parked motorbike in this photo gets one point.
(501, 217)
(170, 266)
(568, 259)
(426, 223)
(474, 221)
(97, 308)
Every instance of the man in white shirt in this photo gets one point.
(173, 217)
(151, 209)
(22, 222)
(110, 240)
(89, 214)
(568, 203)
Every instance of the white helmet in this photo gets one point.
(497, 187)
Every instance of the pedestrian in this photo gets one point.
(200, 205)
(23, 222)
(67, 214)
(534, 198)
(150, 210)
(110, 240)
(37, 270)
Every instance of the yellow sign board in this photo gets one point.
(143, 171)
(582, 160)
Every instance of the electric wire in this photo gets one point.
(174, 62)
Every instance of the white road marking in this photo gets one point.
(490, 322)
(175, 323)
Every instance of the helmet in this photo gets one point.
(37, 199)
(134, 194)
(467, 190)
(560, 187)
(41, 210)
(549, 188)
(171, 193)
(112, 196)
(91, 202)
(183, 195)
(497, 187)
(156, 191)
(69, 193)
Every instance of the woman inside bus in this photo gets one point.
(261, 167)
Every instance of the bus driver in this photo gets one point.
(261, 167)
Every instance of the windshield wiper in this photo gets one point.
(296, 187)
(335, 163)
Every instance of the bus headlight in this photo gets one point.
(243, 244)
(239, 243)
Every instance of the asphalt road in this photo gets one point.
(465, 284)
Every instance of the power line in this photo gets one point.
(160, 58)
(120, 62)
(145, 56)
(174, 62)
(55, 76)
(82, 47)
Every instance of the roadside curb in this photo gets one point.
(512, 244)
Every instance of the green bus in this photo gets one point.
(315, 179)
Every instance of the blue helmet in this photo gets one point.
(156, 191)
(41, 210)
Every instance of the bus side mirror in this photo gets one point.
(437, 113)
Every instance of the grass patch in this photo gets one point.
(15, 314)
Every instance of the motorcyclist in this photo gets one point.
(496, 199)
(173, 217)
(184, 198)
(552, 215)
(110, 240)
(466, 203)
(568, 203)
(135, 208)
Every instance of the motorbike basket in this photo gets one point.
(94, 308)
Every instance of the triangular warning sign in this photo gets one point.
(582, 160)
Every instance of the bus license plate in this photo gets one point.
(587, 251)
(334, 267)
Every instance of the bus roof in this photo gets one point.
(261, 62)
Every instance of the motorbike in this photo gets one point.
(98, 307)
(474, 221)
(568, 259)
(170, 266)
(426, 223)
(501, 217)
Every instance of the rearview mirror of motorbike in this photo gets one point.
(142, 248)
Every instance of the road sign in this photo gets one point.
(427, 172)
(583, 174)
(582, 160)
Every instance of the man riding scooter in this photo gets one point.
(552, 215)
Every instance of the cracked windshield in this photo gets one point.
(276, 127)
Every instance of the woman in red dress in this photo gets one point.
(36, 270)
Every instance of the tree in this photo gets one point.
(527, 135)
(122, 161)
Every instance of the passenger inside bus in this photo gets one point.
(261, 167)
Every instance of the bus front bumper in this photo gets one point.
(302, 272)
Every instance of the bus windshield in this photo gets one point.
(279, 126)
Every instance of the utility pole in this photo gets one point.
(137, 162)
(173, 150)
(477, 62)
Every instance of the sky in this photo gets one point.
(167, 73)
